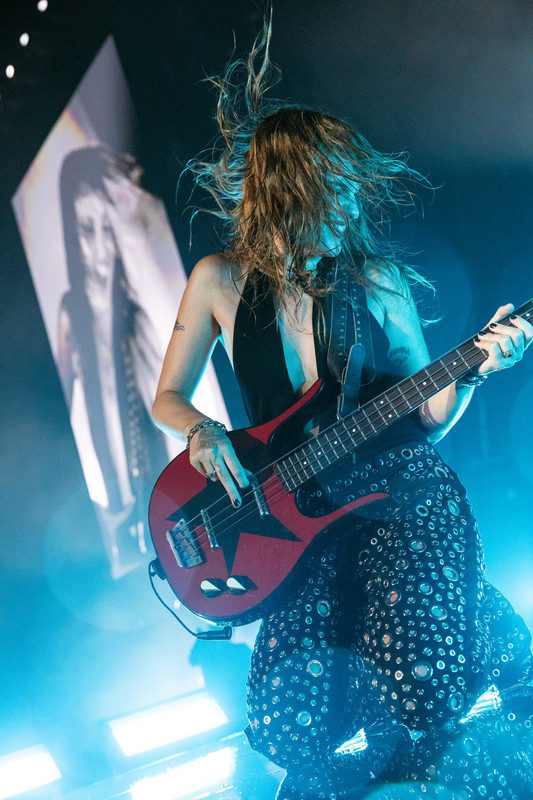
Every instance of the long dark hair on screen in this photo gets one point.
(84, 171)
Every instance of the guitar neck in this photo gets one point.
(346, 435)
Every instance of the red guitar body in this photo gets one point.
(224, 564)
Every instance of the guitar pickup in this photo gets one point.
(184, 546)
(210, 531)
(259, 498)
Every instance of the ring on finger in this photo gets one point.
(507, 353)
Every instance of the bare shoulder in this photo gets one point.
(390, 284)
(389, 294)
(215, 286)
(209, 272)
(391, 301)
(216, 271)
(209, 282)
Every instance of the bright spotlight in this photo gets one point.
(24, 39)
(167, 723)
(488, 700)
(210, 770)
(354, 745)
(10, 71)
(25, 770)
(42, 5)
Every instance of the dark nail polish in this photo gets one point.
(492, 324)
(237, 503)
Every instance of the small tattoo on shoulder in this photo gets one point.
(178, 327)
(399, 355)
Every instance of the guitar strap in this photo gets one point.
(350, 356)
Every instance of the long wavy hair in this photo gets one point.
(274, 175)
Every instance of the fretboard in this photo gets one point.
(349, 433)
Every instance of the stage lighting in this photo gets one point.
(167, 723)
(42, 5)
(210, 770)
(489, 700)
(24, 39)
(354, 745)
(10, 71)
(25, 770)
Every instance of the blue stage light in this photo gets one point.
(489, 700)
(354, 745)
(170, 722)
(197, 775)
(25, 770)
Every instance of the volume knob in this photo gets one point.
(213, 587)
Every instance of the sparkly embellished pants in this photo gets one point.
(388, 628)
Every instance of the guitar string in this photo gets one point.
(276, 481)
(344, 436)
(278, 486)
(470, 349)
(365, 427)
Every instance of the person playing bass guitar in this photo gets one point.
(390, 626)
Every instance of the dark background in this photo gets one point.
(449, 81)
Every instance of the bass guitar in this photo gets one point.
(225, 563)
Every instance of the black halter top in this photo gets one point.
(261, 371)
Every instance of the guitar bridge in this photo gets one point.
(184, 546)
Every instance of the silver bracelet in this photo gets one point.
(469, 380)
(204, 424)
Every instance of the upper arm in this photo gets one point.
(408, 350)
(195, 332)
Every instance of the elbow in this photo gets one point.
(433, 429)
(156, 412)
(169, 413)
(435, 436)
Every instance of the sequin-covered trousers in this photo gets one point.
(389, 627)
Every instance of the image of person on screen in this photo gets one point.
(108, 355)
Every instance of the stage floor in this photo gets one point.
(249, 777)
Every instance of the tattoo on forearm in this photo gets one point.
(178, 327)
(399, 355)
